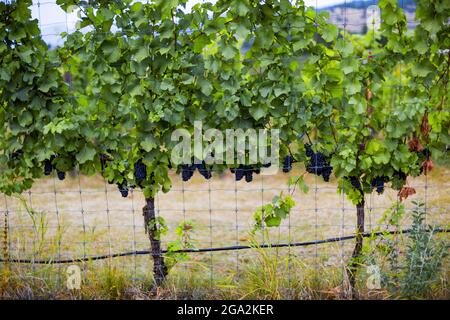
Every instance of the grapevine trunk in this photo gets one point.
(356, 255)
(159, 266)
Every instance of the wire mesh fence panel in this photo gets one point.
(82, 219)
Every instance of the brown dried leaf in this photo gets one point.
(425, 126)
(187, 227)
(405, 193)
(427, 166)
(415, 145)
(333, 293)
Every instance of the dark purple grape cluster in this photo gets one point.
(187, 171)
(245, 171)
(238, 172)
(309, 150)
(378, 183)
(48, 165)
(318, 164)
(355, 183)
(326, 173)
(16, 154)
(400, 175)
(61, 175)
(123, 189)
(140, 171)
(48, 168)
(287, 163)
(203, 170)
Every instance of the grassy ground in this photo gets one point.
(83, 216)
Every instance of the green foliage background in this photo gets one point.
(139, 71)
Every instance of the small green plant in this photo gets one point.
(184, 240)
(159, 226)
(413, 273)
(272, 213)
(423, 258)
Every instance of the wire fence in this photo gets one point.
(84, 219)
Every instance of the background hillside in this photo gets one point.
(353, 14)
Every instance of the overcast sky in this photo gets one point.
(53, 20)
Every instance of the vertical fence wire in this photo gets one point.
(342, 233)
(316, 209)
(397, 204)
(83, 219)
(236, 214)
(263, 225)
(108, 218)
(344, 268)
(36, 230)
(134, 247)
(210, 234)
(289, 248)
(58, 229)
(6, 236)
(183, 191)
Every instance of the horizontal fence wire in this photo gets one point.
(229, 248)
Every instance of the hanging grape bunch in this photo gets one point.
(318, 163)
(16, 154)
(140, 172)
(61, 175)
(287, 163)
(203, 170)
(378, 183)
(48, 165)
(123, 189)
(355, 182)
(187, 170)
(246, 171)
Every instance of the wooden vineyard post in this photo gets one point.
(151, 227)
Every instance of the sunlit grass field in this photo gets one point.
(84, 216)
